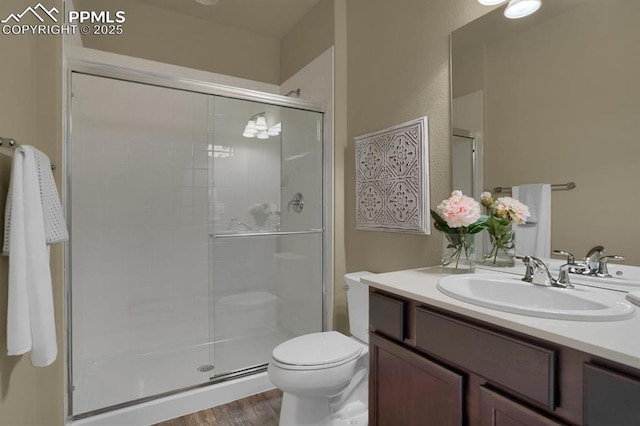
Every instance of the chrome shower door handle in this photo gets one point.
(297, 203)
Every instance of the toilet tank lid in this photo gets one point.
(317, 349)
(355, 276)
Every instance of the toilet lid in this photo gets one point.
(317, 349)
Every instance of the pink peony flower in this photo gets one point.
(512, 209)
(459, 210)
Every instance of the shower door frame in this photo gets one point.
(133, 75)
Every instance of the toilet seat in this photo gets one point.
(316, 351)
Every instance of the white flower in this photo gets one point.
(512, 209)
(459, 210)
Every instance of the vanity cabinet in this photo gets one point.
(429, 366)
(497, 410)
(610, 397)
(522, 368)
(413, 390)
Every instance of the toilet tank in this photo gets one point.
(358, 305)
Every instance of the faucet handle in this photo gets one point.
(571, 265)
(603, 270)
(528, 272)
(297, 202)
(570, 257)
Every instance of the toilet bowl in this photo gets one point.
(324, 376)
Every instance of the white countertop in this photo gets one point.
(617, 341)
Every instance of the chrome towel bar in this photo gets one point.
(11, 143)
(556, 187)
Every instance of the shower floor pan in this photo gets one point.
(105, 383)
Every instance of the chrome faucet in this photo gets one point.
(592, 260)
(537, 273)
(571, 265)
(594, 265)
(297, 203)
(597, 264)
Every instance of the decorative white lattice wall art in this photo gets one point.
(392, 179)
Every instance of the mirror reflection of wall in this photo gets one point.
(463, 151)
(560, 98)
(467, 143)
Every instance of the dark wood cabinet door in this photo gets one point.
(496, 410)
(610, 398)
(407, 389)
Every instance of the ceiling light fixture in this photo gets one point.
(275, 129)
(516, 8)
(251, 126)
(257, 127)
(261, 123)
(521, 8)
(491, 2)
(250, 130)
(207, 2)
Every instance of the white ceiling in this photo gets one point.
(272, 18)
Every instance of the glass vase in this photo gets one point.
(458, 253)
(501, 251)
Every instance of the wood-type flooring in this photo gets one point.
(257, 410)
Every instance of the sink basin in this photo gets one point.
(511, 294)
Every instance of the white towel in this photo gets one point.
(54, 223)
(30, 315)
(534, 237)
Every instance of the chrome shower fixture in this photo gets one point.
(294, 93)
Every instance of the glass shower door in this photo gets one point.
(196, 237)
(265, 180)
(139, 242)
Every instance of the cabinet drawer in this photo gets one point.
(496, 410)
(387, 315)
(519, 366)
(610, 398)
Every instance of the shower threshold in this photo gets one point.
(124, 381)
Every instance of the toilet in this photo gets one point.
(324, 376)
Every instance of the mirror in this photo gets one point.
(555, 98)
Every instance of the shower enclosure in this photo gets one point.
(196, 237)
